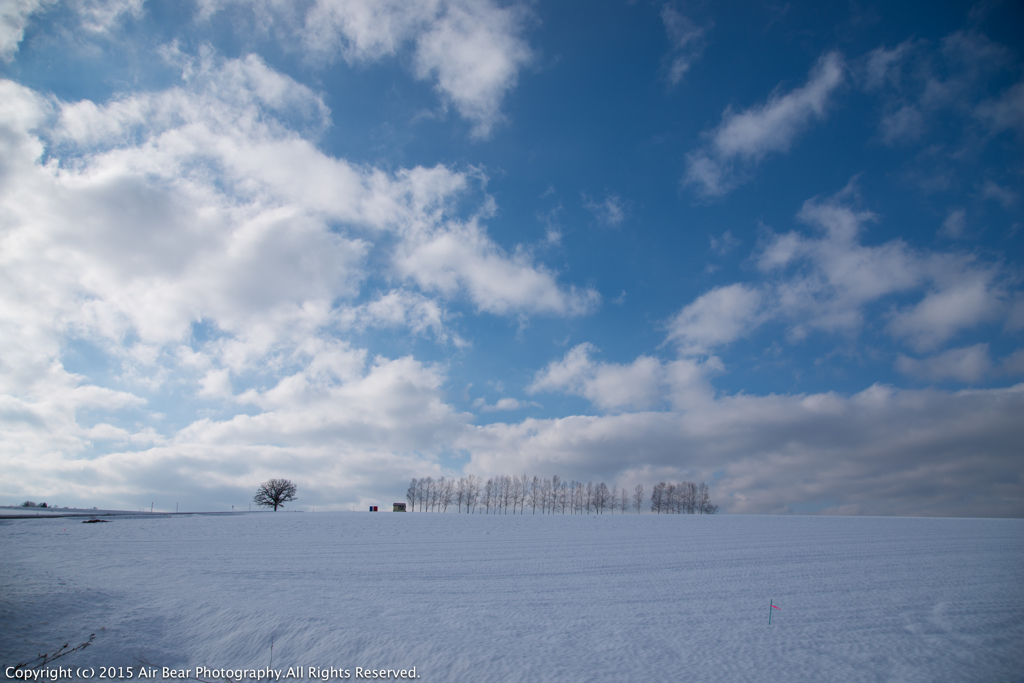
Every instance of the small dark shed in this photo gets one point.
(399, 507)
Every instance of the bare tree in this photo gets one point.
(550, 495)
(658, 497)
(515, 492)
(447, 491)
(410, 495)
(503, 492)
(704, 500)
(601, 497)
(426, 489)
(472, 492)
(421, 492)
(522, 491)
(488, 498)
(460, 492)
(274, 493)
(563, 497)
(638, 497)
(669, 499)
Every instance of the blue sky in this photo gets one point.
(774, 247)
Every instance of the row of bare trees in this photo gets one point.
(685, 497)
(515, 495)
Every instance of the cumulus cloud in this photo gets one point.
(716, 318)
(401, 308)
(764, 453)
(1013, 364)
(228, 193)
(965, 300)
(743, 139)
(645, 383)
(472, 50)
(14, 16)
(95, 16)
(968, 364)
(824, 281)
(103, 15)
(341, 426)
(197, 240)
(458, 257)
(504, 404)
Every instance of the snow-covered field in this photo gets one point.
(525, 598)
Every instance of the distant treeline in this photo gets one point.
(498, 495)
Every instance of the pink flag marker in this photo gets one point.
(774, 606)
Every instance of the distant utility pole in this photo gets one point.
(151, 508)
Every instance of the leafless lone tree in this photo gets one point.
(274, 493)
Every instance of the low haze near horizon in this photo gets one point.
(773, 247)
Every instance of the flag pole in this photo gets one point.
(771, 604)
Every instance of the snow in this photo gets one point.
(539, 598)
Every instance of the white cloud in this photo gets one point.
(847, 275)
(964, 300)
(96, 16)
(724, 244)
(14, 16)
(1005, 196)
(103, 15)
(1005, 112)
(906, 124)
(472, 50)
(955, 224)
(133, 225)
(718, 317)
(968, 364)
(919, 87)
(342, 427)
(216, 384)
(460, 257)
(884, 67)
(824, 282)
(744, 139)
(687, 40)
(644, 383)
(504, 404)
(401, 308)
(107, 432)
(763, 454)
(337, 397)
(610, 212)
(1013, 364)
(228, 194)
